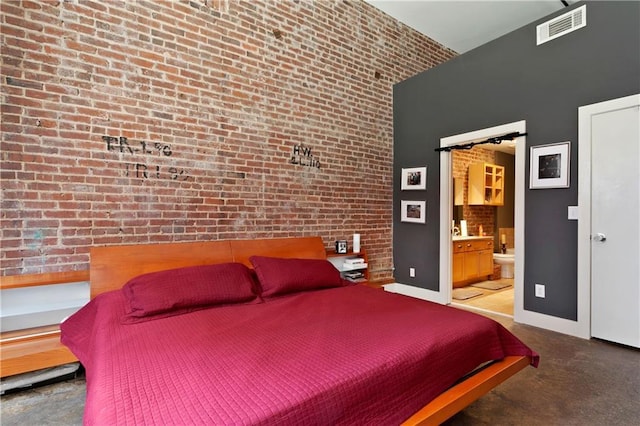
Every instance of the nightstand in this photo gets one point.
(352, 266)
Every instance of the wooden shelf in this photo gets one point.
(34, 352)
(36, 348)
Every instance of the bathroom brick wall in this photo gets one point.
(474, 215)
(158, 121)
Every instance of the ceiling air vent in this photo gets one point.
(563, 24)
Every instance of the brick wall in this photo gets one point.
(474, 215)
(157, 121)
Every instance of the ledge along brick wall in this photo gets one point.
(165, 121)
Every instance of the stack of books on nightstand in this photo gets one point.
(354, 276)
(354, 263)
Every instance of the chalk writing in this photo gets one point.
(302, 156)
(164, 149)
(124, 145)
(142, 171)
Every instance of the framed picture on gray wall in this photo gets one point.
(413, 211)
(549, 166)
(414, 178)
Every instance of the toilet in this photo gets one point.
(506, 262)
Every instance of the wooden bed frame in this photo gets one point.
(113, 266)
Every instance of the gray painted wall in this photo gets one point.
(508, 80)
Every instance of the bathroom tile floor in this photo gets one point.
(498, 301)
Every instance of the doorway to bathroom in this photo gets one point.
(486, 225)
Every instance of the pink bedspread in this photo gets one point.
(351, 355)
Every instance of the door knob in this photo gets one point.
(599, 237)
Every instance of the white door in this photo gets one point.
(615, 224)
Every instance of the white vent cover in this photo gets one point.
(563, 24)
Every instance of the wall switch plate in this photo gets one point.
(540, 290)
(412, 272)
(572, 212)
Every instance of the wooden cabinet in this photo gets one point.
(485, 261)
(458, 265)
(471, 264)
(486, 184)
(472, 260)
(458, 192)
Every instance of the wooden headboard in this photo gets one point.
(112, 266)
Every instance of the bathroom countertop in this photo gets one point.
(471, 237)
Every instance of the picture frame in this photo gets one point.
(549, 166)
(413, 211)
(414, 178)
(341, 246)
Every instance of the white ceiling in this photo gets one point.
(464, 25)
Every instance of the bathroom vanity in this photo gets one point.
(472, 260)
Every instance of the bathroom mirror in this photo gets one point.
(457, 213)
(458, 199)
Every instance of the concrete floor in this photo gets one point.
(59, 404)
(579, 382)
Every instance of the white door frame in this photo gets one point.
(584, 201)
(520, 315)
(446, 209)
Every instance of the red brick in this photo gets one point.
(231, 100)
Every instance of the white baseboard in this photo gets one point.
(417, 292)
(547, 322)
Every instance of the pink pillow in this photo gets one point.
(189, 287)
(281, 276)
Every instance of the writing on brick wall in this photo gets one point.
(302, 155)
(124, 145)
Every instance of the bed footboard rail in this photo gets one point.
(464, 393)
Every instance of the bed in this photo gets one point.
(266, 332)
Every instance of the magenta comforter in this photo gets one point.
(350, 355)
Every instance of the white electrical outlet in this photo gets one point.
(412, 272)
(540, 290)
